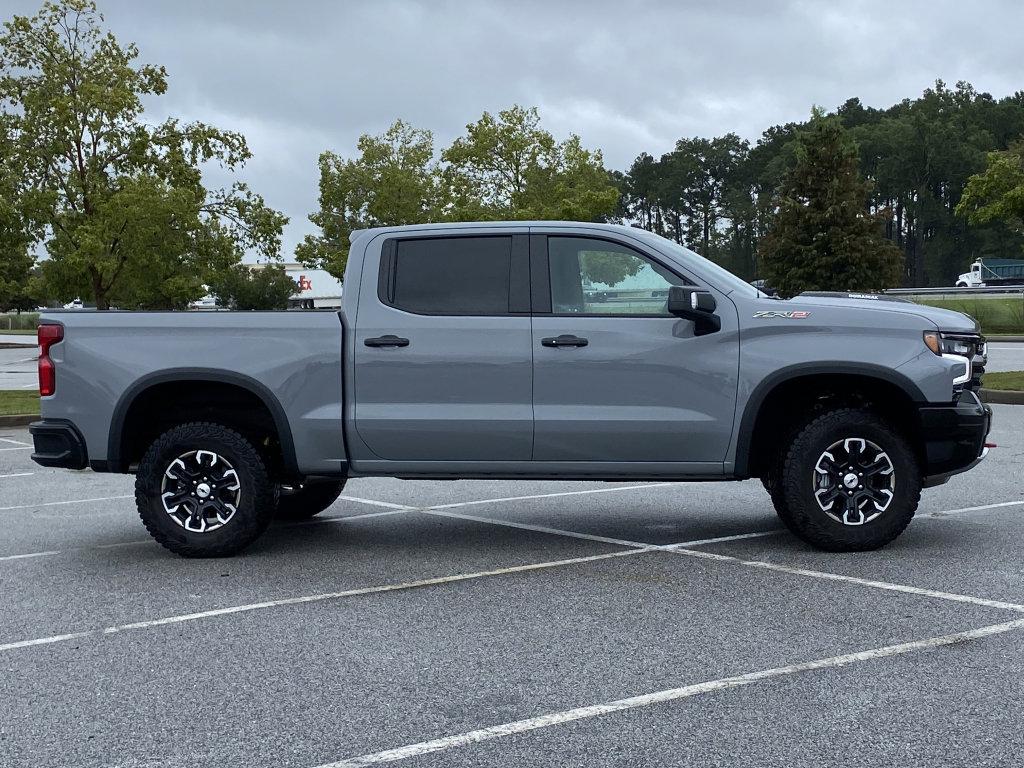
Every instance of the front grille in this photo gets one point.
(978, 362)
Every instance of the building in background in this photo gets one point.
(315, 288)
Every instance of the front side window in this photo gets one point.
(452, 275)
(598, 277)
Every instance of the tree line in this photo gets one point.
(860, 198)
(720, 196)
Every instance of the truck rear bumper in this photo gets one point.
(954, 437)
(58, 443)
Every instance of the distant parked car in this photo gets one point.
(764, 287)
(207, 302)
(76, 304)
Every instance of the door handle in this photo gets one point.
(565, 340)
(389, 340)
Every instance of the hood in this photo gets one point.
(944, 319)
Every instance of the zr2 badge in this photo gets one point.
(773, 314)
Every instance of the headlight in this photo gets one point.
(952, 344)
(957, 349)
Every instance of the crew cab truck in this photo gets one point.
(525, 350)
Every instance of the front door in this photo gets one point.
(443, 358)
(616, 377)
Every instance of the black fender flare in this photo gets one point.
(268, 398)
(752, 409)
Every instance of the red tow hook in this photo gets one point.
(991, 445)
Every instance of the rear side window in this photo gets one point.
(450, 276)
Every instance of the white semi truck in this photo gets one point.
(993, 272)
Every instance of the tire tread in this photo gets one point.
(246, 528)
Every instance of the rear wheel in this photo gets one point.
(301, 502)
(202, 490)
(849, 482)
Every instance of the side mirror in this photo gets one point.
(696, 304)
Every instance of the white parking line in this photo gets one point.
(433, 511)
(376, 503)
(139, 542)
(891, 587)
(671, 694)
(962, 510)
(14, 442)
(181, 618)
(548, 495)
(343, 518)
(19, 448)
(62, 503)
(720, 539)
(679, 549)
(29, 555)
(17, 474)
(602, 539)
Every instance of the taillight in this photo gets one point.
(48, 336)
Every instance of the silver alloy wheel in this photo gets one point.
(200, 490)
(854, 481)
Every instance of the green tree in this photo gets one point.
(395, 180)
(121, 204)
(243, 287)
(16, 262)
(997, 195)
(822, 236)
(508, 167)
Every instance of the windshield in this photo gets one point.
(723, 278)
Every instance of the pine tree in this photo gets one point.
(822, 236)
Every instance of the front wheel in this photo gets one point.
(849, 482)
(301, 502)
(202, 490)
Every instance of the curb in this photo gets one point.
(20, 420)
(1002, 396)
(6, 345)
(996, 337)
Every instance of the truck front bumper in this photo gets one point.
(954, 437)
(58, 443)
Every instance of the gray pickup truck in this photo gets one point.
(522, 350)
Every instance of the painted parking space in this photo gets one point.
(508, 623)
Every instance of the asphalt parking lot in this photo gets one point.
(484, 623)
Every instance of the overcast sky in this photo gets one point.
(303, 76)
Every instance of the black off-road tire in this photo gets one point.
(795, 492)
(256, 503)
(772, 483)
(772, 478)
(306, 501)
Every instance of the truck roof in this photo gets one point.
(441, 226)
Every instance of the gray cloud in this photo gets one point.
(301, 77)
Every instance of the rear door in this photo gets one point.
(443, 358)
(616, 377)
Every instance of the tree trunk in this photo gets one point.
(99, 294)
